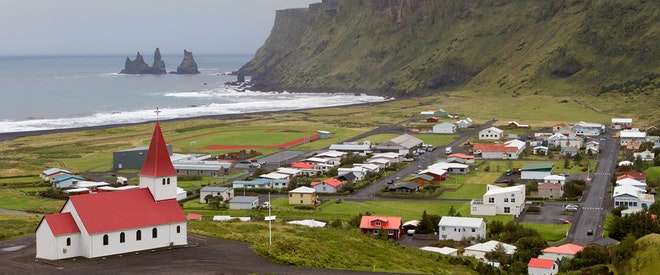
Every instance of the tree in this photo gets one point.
(529, 247)
(531, 186)
(590, 256)
(452, 211)
(622, 252)
(428, 224)
(216, 201)
(208, 198)
(498, 254)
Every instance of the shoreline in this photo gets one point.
(14, 135)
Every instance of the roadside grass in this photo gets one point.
(24, 180)
(328, 248)
(16, 225)
(15, 200)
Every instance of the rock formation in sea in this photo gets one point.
(138, 66)
(188, 64)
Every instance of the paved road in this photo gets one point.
(596, 201)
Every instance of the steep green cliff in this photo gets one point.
(503, 47)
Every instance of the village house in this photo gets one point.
(638, 176)
(227, 193)
(330, 185)
(550, 190)
(559, 253)
(438, 174)
(536, 170)
(358, 171)
(65, 180)
(631, 181)
(303, 195)
(291, 172)
(444, 128)
(403, 145)
(516, 125)
(49, 174)
(589, 129)
(445, 250)
(556, 179)
(244, 202)
(499, 201)
(451, 168)
(491, 133)
(464, 123)
(459, 228)
(508, 150)
(422, 179)
(591, 147)
(374, 224)
(405, 187)
(478, 251)
(540, 150)
(631, 136)
(352, 147)
(460, 158)
(621, 123)
(307, 169)
(107, 223)
(537, 266)
(632, 197)
(433, 113)
(432, 120)
(644, 156)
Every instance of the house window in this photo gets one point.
(122, 237)
(290, 195)
(377, 223)
(506, 199)
(178, 229)
(375, 231)
(105, 239)
(301, 195)
(507, 209)
(513, 199)
(68, 241)
(301, 201)
(154, 233)
(443, 228)
(390, 232)
(491, 200)
(474, 230)
(138, 235)
(444, 237)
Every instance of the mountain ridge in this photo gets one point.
(406, 48)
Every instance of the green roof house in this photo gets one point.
(536, 170)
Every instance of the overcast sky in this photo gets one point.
(79, 27)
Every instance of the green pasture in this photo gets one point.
(653, 174)
(15, 200)
(24, 180)
(553, 233)
(16, 225)
(465, 192)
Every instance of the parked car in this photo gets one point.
(602, 139)
(265, 205)
(571, 207)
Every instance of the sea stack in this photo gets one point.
(188, 64)
(138, 66)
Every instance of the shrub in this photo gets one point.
(304, 207)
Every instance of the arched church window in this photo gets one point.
(154, 233)
(178, 229)
(122, 237)
(68, 241)
(138, 235)
(105, 239)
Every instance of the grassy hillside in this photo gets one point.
(598, 52)
(646, 257)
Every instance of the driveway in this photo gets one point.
(216, 257)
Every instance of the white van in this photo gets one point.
(448, 150)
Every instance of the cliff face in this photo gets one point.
(404, 47)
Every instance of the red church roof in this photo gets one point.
(540, 263)
(158, 162)
(61, 223)
(110, 211)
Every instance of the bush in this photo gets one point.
(304, 207)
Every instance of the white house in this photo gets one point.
(109, 223)
(582, 128)
(632, 197)
(444, 128)
(621, 123)
(244, 202)
(633, 182)
(330, 185)
(556, 253)
(465, 123)
(478, 251)
(592, 146)
(359, 172)
(556, 179)
(227, 193)
(458, 228)
(508, 150)
(491, 133)
(449, 251)
(451, 167)
(537, 266)
(644, 156)
(499, 201)
(631, 136)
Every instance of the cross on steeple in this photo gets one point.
(157, 112)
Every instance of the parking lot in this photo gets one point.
(550, 213)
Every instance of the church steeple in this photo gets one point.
(158, 173)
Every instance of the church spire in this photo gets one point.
(158, 162)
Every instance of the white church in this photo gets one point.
(108, 223)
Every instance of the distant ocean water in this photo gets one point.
(58, 92)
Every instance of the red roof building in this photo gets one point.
(108, 223)
(638, 176)
(542, 266)
(567, 250)
(373, 225)
(331, 185)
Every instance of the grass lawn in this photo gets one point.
(553, 233)
(466, 192)
(29, 179)
(653, 174)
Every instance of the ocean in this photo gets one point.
(59, 92)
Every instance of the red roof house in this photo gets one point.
(638, 176)
(108, 223)
(542, 266)
(331, 185)
(373, 225)
(567, 250)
